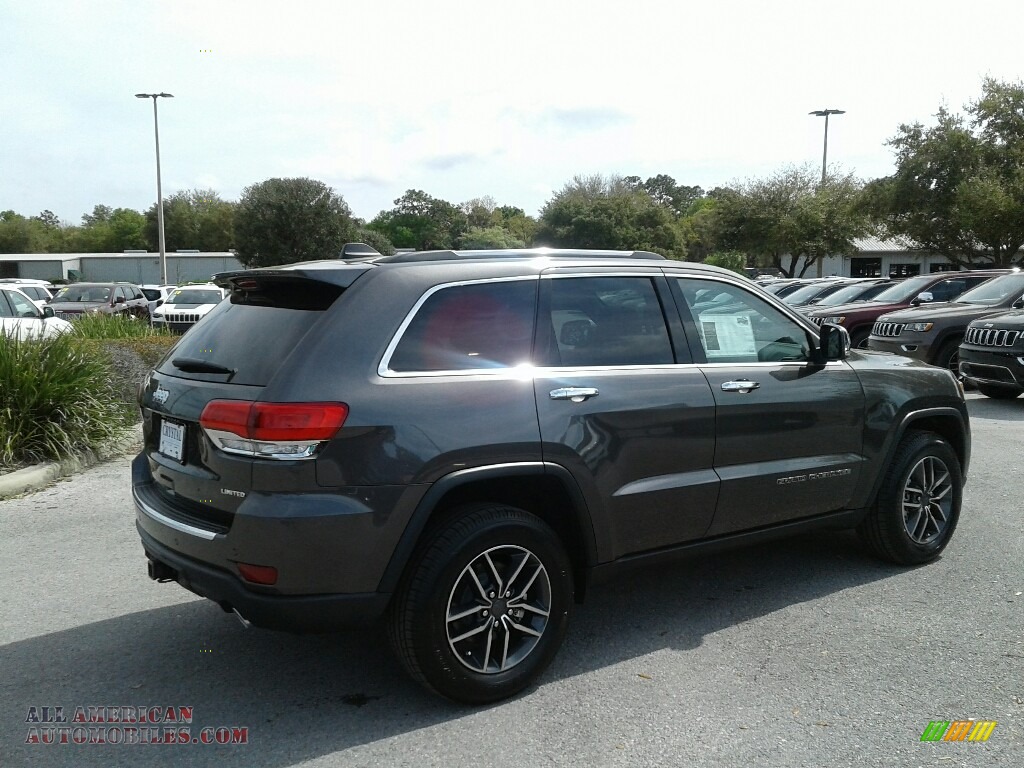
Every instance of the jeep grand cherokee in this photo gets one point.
(459, 443)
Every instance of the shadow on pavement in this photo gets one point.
(302, 697)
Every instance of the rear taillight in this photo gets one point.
(271, 430)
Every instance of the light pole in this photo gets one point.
(824, 155)
(159, 191)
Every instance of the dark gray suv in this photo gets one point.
(459, 443)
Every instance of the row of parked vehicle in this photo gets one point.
(37, 308)
(971, 322)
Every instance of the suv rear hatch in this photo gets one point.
(204, 421)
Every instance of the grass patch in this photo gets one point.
(57, 398)
(115, 327)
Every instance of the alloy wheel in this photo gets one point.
(498, 609)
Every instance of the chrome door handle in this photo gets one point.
(576, 394)
(742, 386)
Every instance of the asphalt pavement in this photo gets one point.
(806, 652)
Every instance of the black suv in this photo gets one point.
(461, 442)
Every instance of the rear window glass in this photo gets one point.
(251, 333)
(194, 296)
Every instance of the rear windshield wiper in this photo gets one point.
(195, 365)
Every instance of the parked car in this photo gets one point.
(40, 291)
(992, 354)
(816, 291)
(187, 305)
(78, 299)
(933, 332)
(21, 318)
(460, 443)
(156, 295)
(860, 290)
(859, 317)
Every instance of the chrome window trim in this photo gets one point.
(529, 371)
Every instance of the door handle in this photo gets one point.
(576, 394)
(742, 386)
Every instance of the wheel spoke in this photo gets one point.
(522, 564)
(487, 650)
(471, 632)
(479, 586)
(465, 613)
(525, 629)
(504, 653)
(499, 586)
(528, 607)
(524, 590)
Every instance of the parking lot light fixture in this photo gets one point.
(159, 191)
(824, 155)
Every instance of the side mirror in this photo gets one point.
(833, 343)
(1018, 304)
(48, 311)
(576, 333)
(119, 300)
(922, 297)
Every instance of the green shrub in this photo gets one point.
(57, 398)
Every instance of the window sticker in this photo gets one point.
(727, 336)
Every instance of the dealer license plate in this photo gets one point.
(172, 440)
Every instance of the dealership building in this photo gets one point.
(872, 257)
(137, 267)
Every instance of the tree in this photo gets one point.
(489, 238)
(375, 240)
(599, 212)
(281, 221)
(792, 220)
(480, 211)
(108, 230)
(732, 260)
(39, 234)
(958, 189)
(422, 222)
(196, 218)
(664, 190)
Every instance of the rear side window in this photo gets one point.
(252, 332)
(481, 326)
(605, 321)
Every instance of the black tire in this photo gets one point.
(918, 504)
(998, 393)
(859, 339)
(949, 357)
(498, 644)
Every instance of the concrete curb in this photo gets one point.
(41, 475)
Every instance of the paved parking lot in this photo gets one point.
(804, 653)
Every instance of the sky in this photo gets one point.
(465, 99)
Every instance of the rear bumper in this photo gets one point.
(330, 550)
(310, 613)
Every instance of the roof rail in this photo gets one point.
(516, 253)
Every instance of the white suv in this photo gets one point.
(39, 291)
(22, 319)
(187, 305)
